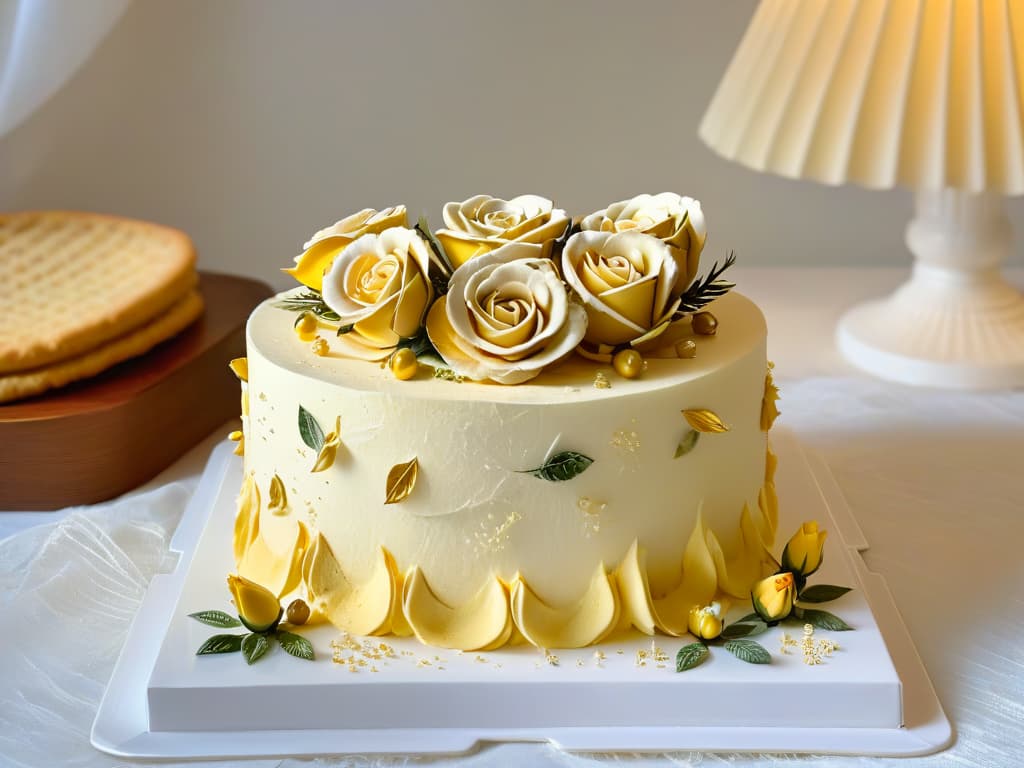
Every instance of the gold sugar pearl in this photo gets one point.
(404, 364)
(601, 381)
(628, 363)
(297, 612)
(705, 324)
(306, 325)
(320, 346)
(686, 349)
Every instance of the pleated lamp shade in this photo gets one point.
(923, 93)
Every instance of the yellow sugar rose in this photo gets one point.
(380, 285)
(506, 317)
(803, 552)
(705, 622)
(676, 220)
(625, 281)
(483, 223)
(319, 253)
(257, 606)
(773, 597)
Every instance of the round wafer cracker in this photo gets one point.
(69, 282)
(14, 386)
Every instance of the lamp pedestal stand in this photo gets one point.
(956, 323)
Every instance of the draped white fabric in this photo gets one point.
(42, 44)
(934, 479)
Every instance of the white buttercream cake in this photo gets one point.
(484, 438)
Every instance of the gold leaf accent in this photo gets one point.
(238, 437)
(278, 498)
(240, 367)
(769, 411)
(329, 450)
(401, 481)
(703, 420)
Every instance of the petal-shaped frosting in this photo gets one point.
(478, 623)
(278, 571)
(697, 587)
(635, 592)
(321, 249)
(247, 518)
(363, 609)
(583, 623)
(747, 565)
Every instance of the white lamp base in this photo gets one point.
(956, 323)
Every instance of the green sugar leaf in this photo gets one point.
(744, 629)
(310, 431)
(749, 651)
(217, 619)
(296, 645)
(564, 465)
(822, 593)
(221, 644)
(688, 443)
(825, 620)
(254, 646)
(690, 656)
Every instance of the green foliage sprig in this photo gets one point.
(309, 301)
(254, 645)
(706, 289)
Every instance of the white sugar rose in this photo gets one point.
(625, 281)
(506, 317)
(678, 221)
(483, 223)
(319, 253)
(380, 285)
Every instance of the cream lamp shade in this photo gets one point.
(927, 94)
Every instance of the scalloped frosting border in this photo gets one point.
(393, 601)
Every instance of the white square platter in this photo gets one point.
(872, 696)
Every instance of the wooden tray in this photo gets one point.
(98, 438)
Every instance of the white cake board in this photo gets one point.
(217, 707)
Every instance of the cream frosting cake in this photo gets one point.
(625, 477)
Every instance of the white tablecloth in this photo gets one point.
(935, 479)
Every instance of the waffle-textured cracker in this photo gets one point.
(70, 282)
(14, 386)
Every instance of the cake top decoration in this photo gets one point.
(508, 288)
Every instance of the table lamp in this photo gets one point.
(927, 94)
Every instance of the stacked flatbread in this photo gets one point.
(80, 292)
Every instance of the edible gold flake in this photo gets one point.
(599, 658)
(238, 437)
(278, 498)
(262, 396)
(591, 510)
(769, 411)
(601, 381)
(786, 642)
(627, 441)
(703, 420)
(401, 480)
(641, 658)
(320, 346)
(551, 658)
(579, 662)
(423, 663)
(480, 659)
(494, 540)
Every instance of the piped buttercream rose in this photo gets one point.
(380, 286)
(625, 281)
(676, 220)
(506, 317)
(483, 223)
(322, 248)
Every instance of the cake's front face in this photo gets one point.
(600, 491)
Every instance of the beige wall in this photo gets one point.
(252, 123)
